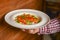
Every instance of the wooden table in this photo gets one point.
(8, 32)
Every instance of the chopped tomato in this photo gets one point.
(27, 19)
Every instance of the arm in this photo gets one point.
(52, 27)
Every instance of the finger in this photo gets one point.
(23, 29)
(31, 31)
(34, 31)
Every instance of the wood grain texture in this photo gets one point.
(8, 32)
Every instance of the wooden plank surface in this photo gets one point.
(8, 32)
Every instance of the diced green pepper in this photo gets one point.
(17, 21)
(28, 22)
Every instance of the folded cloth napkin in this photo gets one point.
(52, 27)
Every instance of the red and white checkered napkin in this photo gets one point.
(52, 27)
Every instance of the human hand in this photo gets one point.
(32, 31)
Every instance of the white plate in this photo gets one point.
(9, 18)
